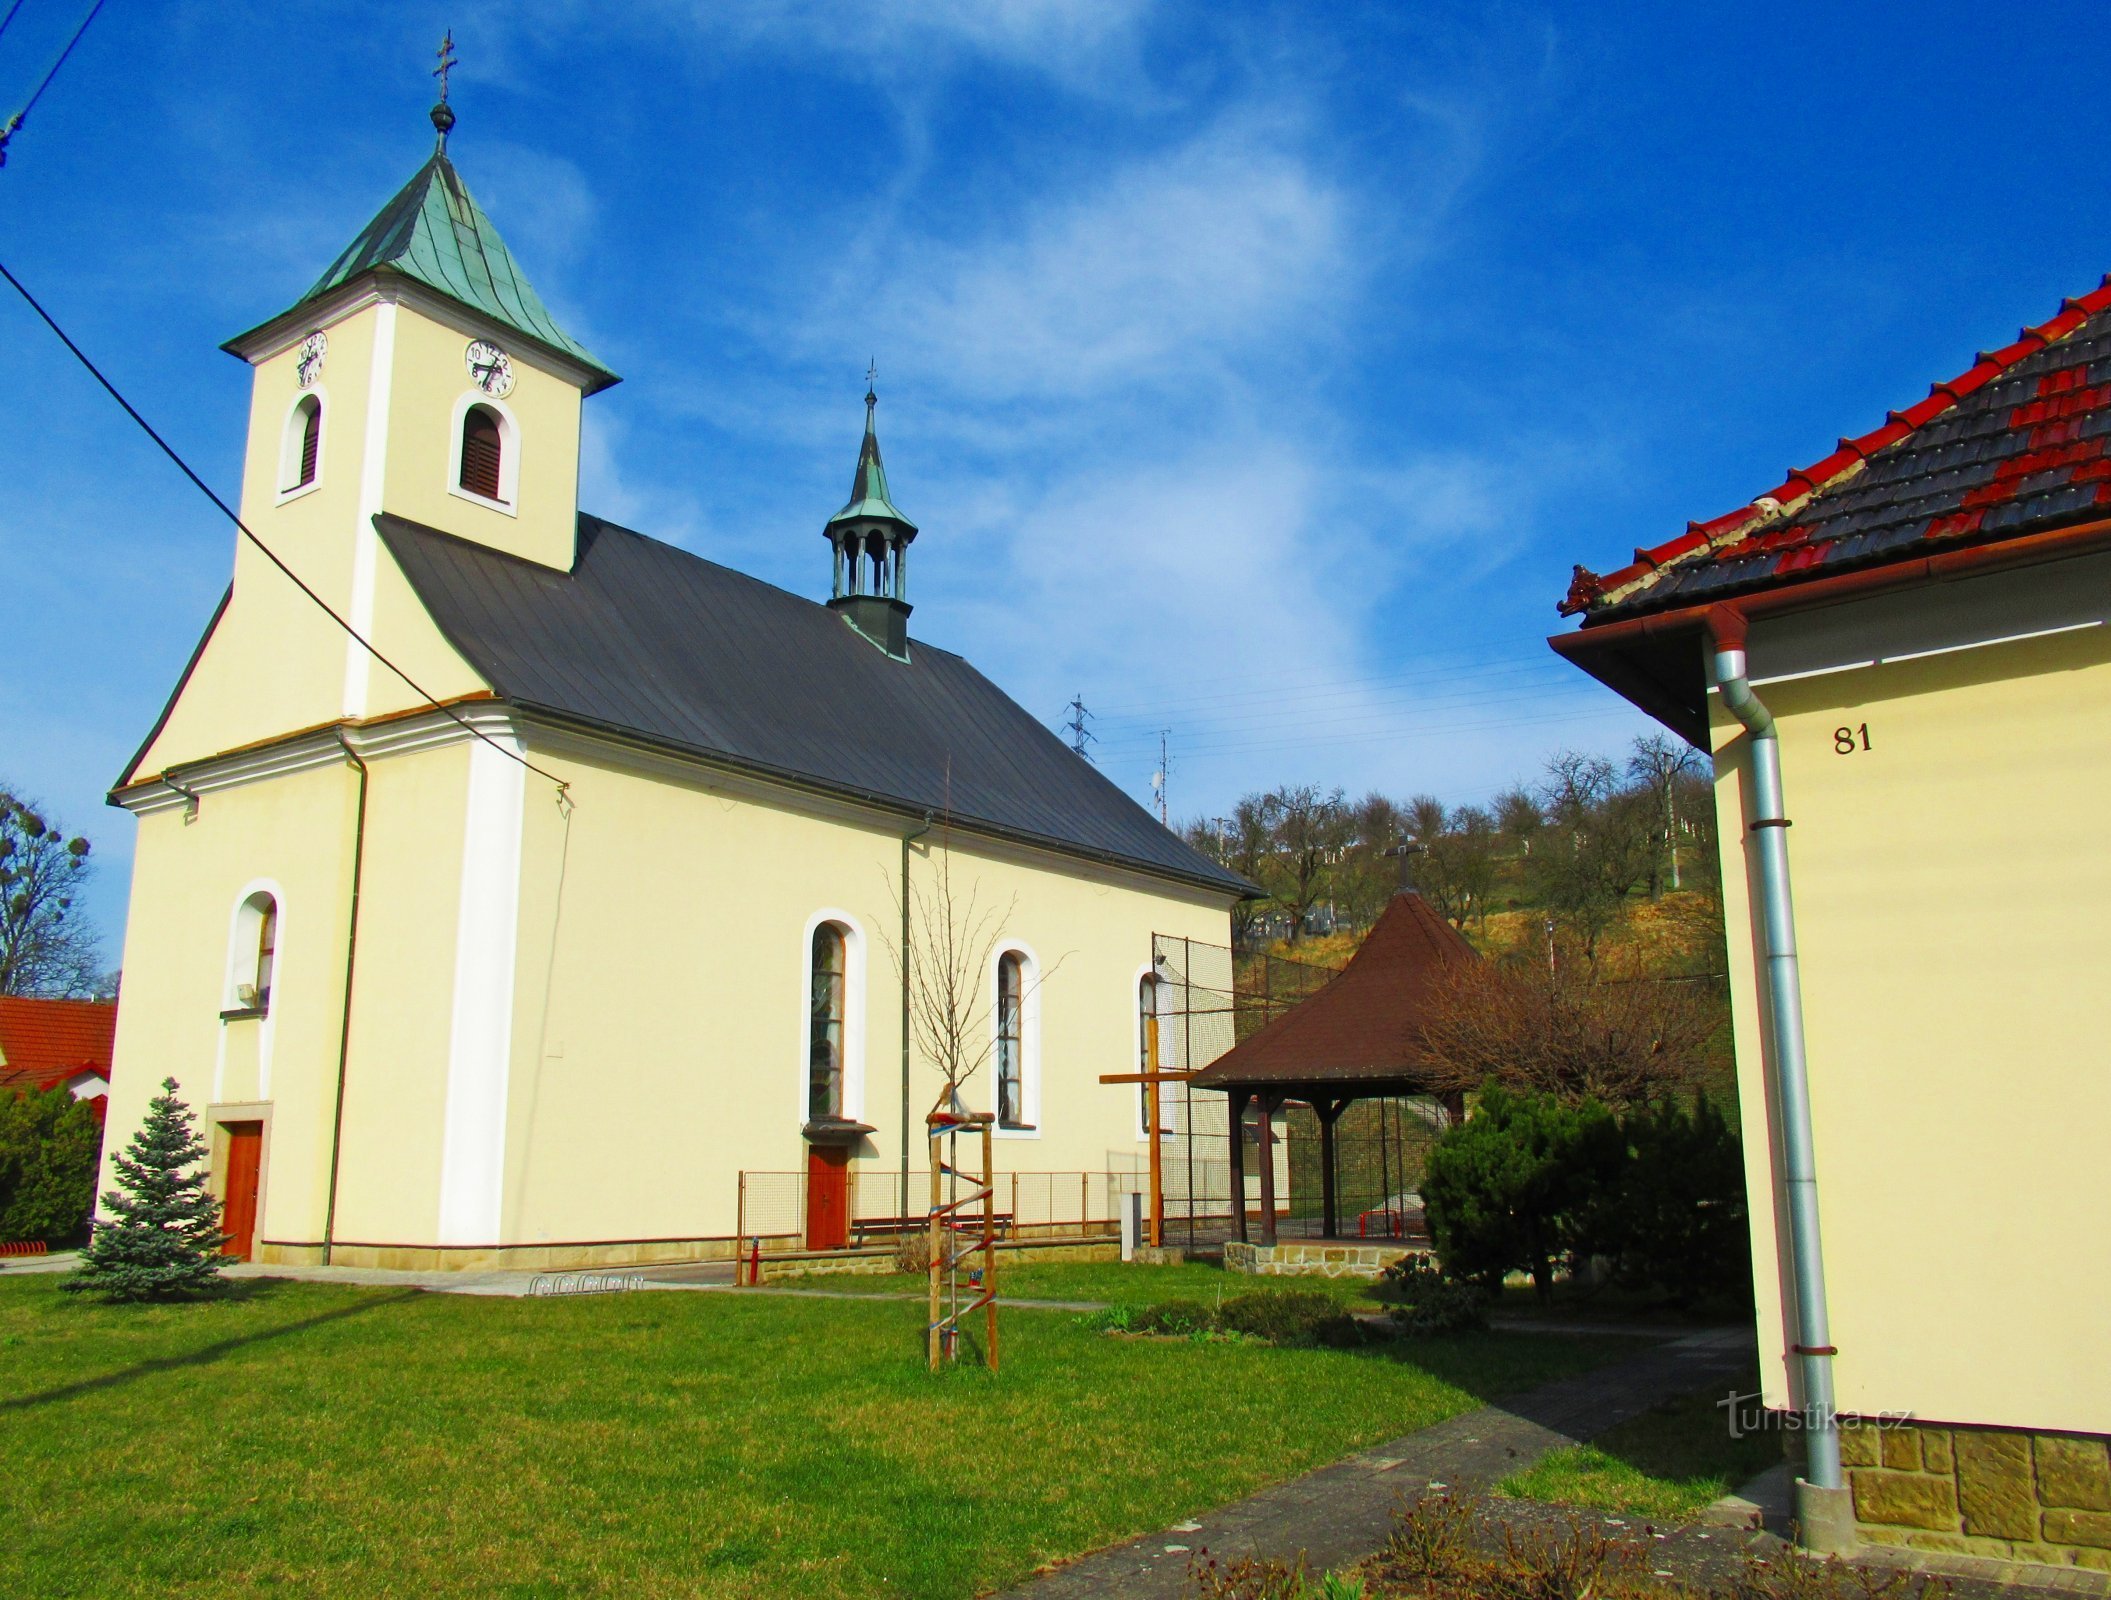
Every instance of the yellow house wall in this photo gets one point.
(1950, 889)
(660, 1022)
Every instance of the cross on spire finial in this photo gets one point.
(443, 113)
(872, 374)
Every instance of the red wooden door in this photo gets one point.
(827, 1197)
(238, 1203)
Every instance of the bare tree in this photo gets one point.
(1240, 843)
(46, 944)
(1310, 828)
(954, 935)
(1599, 847)
(1657, 767)
(1575, 1031)
(1457, 866)
(1518, 818)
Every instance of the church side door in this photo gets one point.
(827, 1197)
(238, 1200)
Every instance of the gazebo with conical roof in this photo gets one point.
(1358, 1038)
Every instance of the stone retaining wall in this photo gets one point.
(2042, 1497)
(1311, 1258)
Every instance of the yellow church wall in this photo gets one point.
(291, 837)
(403, 993)
(660, 1017)
(1950, 887)
(431, 391)
(276, 663)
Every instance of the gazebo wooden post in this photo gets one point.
(1329, 1112)
(1238, 1098)
(1268, 1104)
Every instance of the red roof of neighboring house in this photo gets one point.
(45, 1042)
(2014, 445)
(1363, 1024)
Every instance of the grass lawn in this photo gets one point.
(1667, 1465)
(1114, 1282)
(310, 1439)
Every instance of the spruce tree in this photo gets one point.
(164, 1240)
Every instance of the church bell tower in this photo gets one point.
(870, 540)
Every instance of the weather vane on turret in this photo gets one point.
(442, 113)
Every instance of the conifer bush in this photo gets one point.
(163, 1242)
(49, 1145)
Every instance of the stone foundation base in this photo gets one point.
(1989, 1492)
(499, 1258)
(1312, 1258)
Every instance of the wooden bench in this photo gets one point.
(896, 1227)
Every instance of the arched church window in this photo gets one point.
(1011, 1040)
(303, 449)
(1146, 1044)
(482, 453)
(255, 953)
(825, 1019)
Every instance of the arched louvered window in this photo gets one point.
(829, 974)
(301, 455)
(482, 453)
(311, 439)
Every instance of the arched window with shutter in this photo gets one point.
(301, 456)
(483, 451)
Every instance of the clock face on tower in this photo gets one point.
(308, 364)
(490, 368)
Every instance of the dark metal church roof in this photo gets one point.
(651, 641)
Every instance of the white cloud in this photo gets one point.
(1172, 264)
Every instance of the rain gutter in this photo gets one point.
(907, 840)
(344, 1029)
(1823, 1518)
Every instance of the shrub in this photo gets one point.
(1174, 1317)
(1511, 1188)
(1281, 1316)
(1676, 1220)
(1425, 1300)
(912, 1251)
(50, 1145)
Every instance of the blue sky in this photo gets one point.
(1255, 371)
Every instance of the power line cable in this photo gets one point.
(14, 122)
(10, 17)
(269, 554)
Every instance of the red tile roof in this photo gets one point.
(45, 1042)
(1363, 1024)
(2016, 444)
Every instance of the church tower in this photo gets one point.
(870, 541)
(422, 376)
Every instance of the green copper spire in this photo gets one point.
(868, 486)
(434, 233)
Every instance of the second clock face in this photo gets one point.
(490, 368)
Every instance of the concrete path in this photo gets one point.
(1344, 1512)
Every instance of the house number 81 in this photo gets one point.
(1846, 741)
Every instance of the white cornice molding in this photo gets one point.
(287, 329)
(316, 748)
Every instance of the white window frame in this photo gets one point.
(241, 966)
(854, 945)
(1029, 1038)
(508, 453)
(290, 445)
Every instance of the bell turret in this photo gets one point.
(870, 540)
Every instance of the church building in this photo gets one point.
(509, 882)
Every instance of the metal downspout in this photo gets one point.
(344, 1030)
(1784, 1002)
(907, 840)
